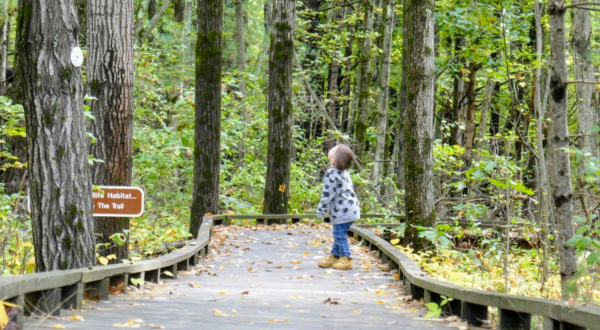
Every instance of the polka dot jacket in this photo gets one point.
(338, 198)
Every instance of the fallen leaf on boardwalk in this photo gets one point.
(329, 271)
(295, 296)
(154, 326)
(194, 285)
(303, 277)
(379, 292)
(219, 312)
(129, 324)
(326, 300)
(354, 311)
(57, 326)
(234, 311)
(393, 323)
(459, 325)
(222, 267)
(222, 292)
(295, 262)
(168, 273)
(117, 289)
(279, 320)
(280, 266)
(77, 318)
(246, 292)
(307, 253)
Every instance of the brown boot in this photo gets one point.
(328, 262)
(343, 264)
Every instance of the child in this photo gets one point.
(340, 200)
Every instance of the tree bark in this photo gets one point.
(4, 24)
(179, 11)
(584, 71)
(207, 133)
(241, 67)
(110, 80)
(364, 90)
(470, 105)
(279, 105)
(60, 180)
(558, 137)
(419, 67)
(384, 86)
(486, 102)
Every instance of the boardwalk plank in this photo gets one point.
(264, 280)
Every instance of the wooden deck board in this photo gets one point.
(264, 280)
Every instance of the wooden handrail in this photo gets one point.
(470, 304)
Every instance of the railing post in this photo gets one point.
(183, 265)
(116, 280)
(551, 324)
(72, 296)
(152, 276)
(18, 317)
(98, 289)
(138, 276)
(172, 269)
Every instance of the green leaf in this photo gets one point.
(577, 218)
(573, 240)
(479, 174)
(593, 258)
(583, 243)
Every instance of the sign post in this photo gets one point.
(113, 201)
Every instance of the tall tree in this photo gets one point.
(418, 70)
(110, 80)
(384, 86)
(207, 133)
(4, 27)
(279, 105)
(558, 137)
(240, 41)
(583, 68)
(364, 90)
(60, 180)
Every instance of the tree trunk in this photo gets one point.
(419, 67)
(584, 71)
(470, 105)
(4, 24)
(179, 9)
(279, 105)
(241, 67)
(384, 87)
(60, 180)
(458, 96)
(207, 133)
(486, 102)
(364, 90)
(110, 80)
(558, 136)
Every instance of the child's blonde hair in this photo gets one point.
(344, 157)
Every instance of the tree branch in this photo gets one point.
(153, 21)
(576, 5)
(582, 82)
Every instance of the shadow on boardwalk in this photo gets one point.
(263, 278)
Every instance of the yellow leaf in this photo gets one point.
(77, 318)
(3, 317)
(103, 261)
(111, 257)
(194, 285)
(380, 302)
(57, 326)
(27, 244)
(234, 311)
(395, 241)
(379, 292)
(222, 267)
(282, 187)
(279, 320)
(354, 311)
(222, 292)
(154, 326)
(306, 253)
(7, 304)
(219, 312)
(295, 262)
(168, 273)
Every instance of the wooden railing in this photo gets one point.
(48, 292)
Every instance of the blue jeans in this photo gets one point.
(341, 248)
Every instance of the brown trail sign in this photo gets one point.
(113, 201)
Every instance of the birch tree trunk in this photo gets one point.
(4, 24)
(207, 133)
(364, 90)
(110, 80)
(279, 105)
(60, 180)
(419, 73)
(558, 137)
(384, 87)
(241, 67)
(584, 71)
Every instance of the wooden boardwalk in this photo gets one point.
(260, 279)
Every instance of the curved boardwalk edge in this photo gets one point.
(49, 292)
(471, 304)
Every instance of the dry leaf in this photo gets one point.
(295, 262)
(222, 267)
(279, 320)
(77, 318)
(168, 273)
(380, 302)
(154, 326)
(219, 312)
(194, 285)
(57, 326)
